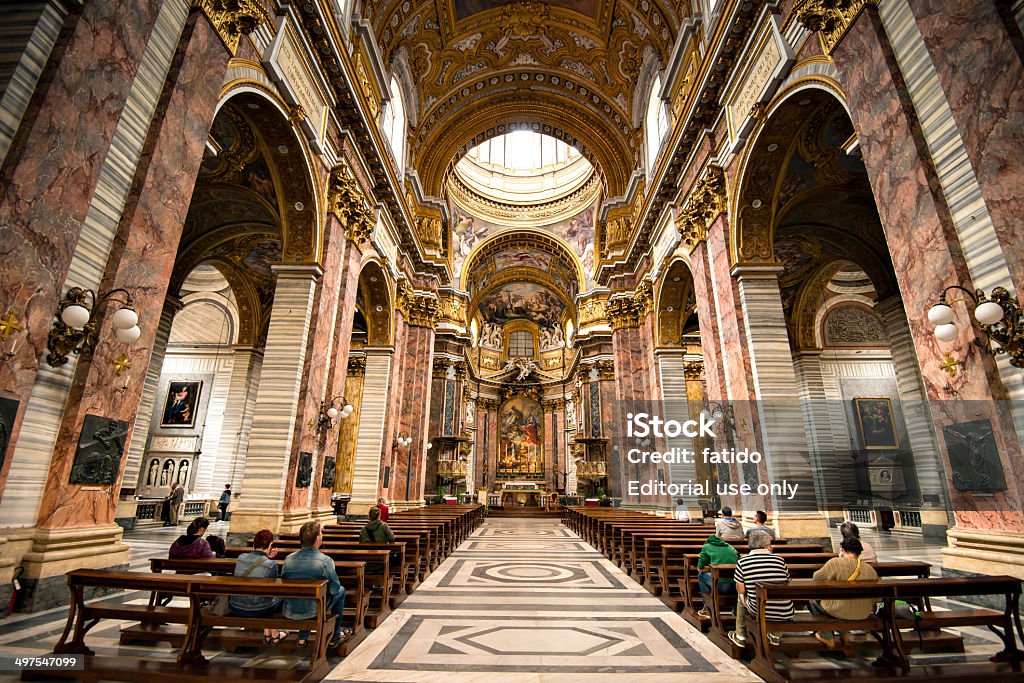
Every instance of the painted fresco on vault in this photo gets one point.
(522, 300)
(465, 8)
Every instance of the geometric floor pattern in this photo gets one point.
(526, 600)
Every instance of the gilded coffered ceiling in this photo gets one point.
(568, 68)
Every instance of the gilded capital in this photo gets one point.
(357, 366)
(693, 370)
(630, 311)
(418, 308)
(233, 18)
(605, 369)
(706, 201)
(345, 199)
(830, 18)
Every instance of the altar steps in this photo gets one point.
(522, 512)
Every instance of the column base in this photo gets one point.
(984, 551)
(803, 527)
(125, 514)
(324, 515)
(57, 551)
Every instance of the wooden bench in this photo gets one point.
(379, 583)
(351, 575)
(888, 628)
(398, 569)
(190, 663)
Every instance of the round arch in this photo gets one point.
(675, 302)
(552, 115)
(518, 239)
(377, 303)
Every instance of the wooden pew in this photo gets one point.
(190, 662)
(398, 569)
(722, 622)
(351, 575)
(1006, 665)
(379, 583)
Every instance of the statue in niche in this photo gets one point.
(165, 474)
(100, 447)
(470, 412)
(154, 468)
(570, 414)
(183, 473)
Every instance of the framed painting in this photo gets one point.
(876, 423)
(181, 404)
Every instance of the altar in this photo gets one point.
(521, 494)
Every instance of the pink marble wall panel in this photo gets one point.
(52, 168)
(389, 456)
(926, 256)
(706, 313)
(141, 261)
(983, 78)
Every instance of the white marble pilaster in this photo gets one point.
(234, 434)
(370, 432)
(273, 427)
(814, 406)
(676, 407)
(775, 383)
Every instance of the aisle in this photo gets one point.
(528, 600)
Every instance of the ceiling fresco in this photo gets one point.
(522, 301)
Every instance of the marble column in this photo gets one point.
(75, 521)
(370, 433)
(982, 76)
(786, 452)
(241, 402)
(270, 459)
(677, 406)
(415, 407)
(927, 257)
(920, 431)
(151, 387)
(47, 182)
(707, 316)
(831, 478)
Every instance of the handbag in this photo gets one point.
(222, 605)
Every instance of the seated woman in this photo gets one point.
(847, 567)
(259, 564)
(191, 545)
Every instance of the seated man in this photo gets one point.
(259, 564)
(714, 551)
(728, 528)
(191, 545)
(310, 563)
(376, 531)
(850, 530)
(847, 567)
(760, 518)
(759, 566)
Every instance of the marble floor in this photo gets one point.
(526, 600)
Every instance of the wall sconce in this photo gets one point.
(403, 440)
(329, 412)
(997, 316)
(430, 444)
(76, 329)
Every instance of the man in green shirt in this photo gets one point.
(714, 551)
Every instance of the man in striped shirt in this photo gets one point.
(759, 566)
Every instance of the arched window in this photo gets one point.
(520, 345)
(393, 124)
(655, 123)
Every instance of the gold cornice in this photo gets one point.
(530, 213)
(488, 403)
(233, 18)
(345, 199)
(830, 19)
(593, 310)
(706, 201)
(419, 309)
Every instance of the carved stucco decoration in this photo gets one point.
(420, 309)
(605, 369)
(345, 199)
(490, 60)
(356, 366)
(693, 370)
(593, 311)
(830, 18)
(706, 201)
(232, 19)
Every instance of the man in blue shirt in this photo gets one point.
(310, 563)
